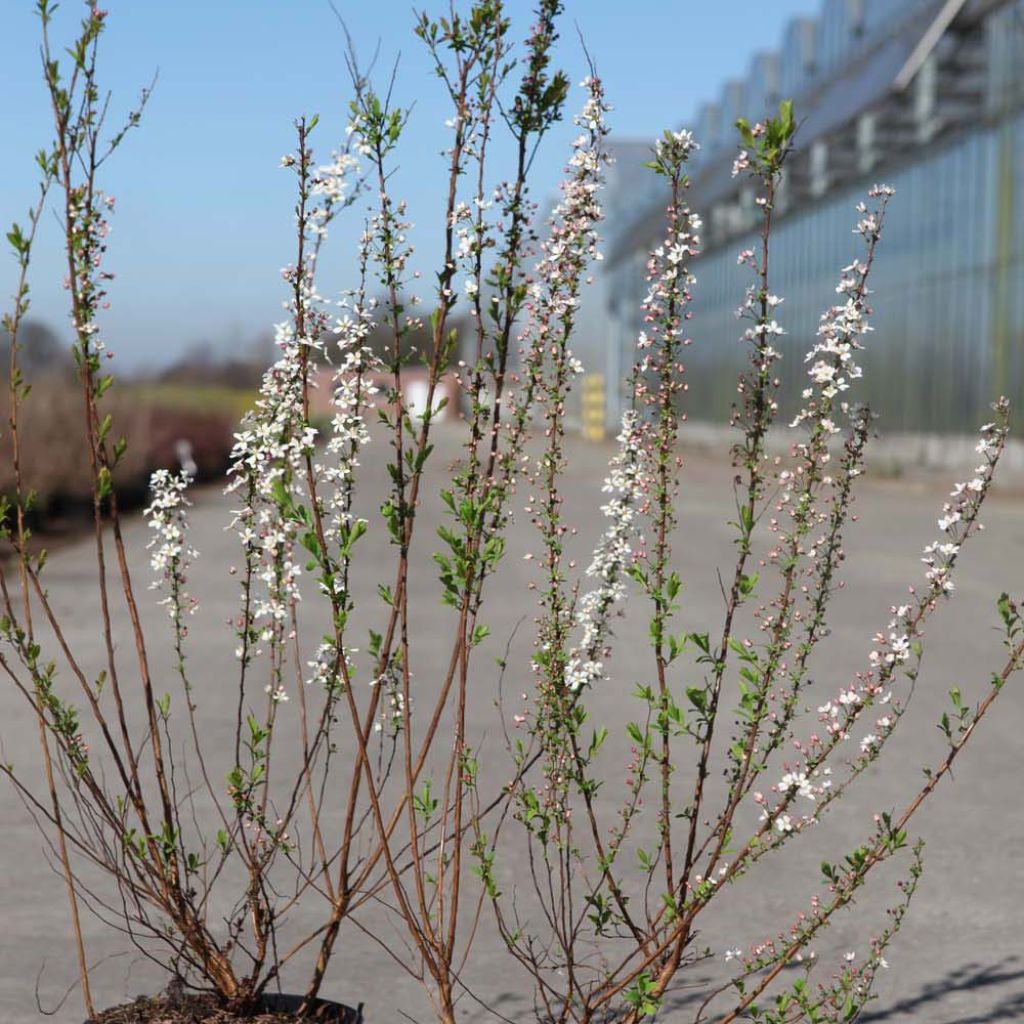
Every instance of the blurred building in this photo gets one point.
(926, 95)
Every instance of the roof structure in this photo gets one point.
(871, 80)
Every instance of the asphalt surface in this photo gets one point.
(960, 957)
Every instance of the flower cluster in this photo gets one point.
(674, 149)
(612, 556)
(669, 279)
(658, 374)
(171, 553)
(959, 515)
(811, 501)
(894, 647)
(573, 241)
(352, 395)
(273, 451)
(566, 254)
(392, 716)
(87, 213)
(333, 181)
(552, 299)
(269, 452)
(552, 302)
(832, 360)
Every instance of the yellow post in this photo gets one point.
(593, 406)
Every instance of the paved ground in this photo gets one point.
(961, 959)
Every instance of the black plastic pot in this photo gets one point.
(323, 1011)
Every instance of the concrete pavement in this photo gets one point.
(960, 958)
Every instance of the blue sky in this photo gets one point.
(203, 223)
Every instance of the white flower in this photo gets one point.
(783, 824)
(171, 555)
(797, 781)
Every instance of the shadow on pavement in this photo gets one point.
(973, 978)
(987, 984)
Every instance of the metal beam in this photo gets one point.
(928, 42)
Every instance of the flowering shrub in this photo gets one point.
(385, 805)
(621, 924)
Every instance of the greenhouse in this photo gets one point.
(920, 94)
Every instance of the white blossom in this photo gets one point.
(171, 554)
(611, 557)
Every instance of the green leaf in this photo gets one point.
(698, 697)
(18, 241)
(104, 483)
(702, 640)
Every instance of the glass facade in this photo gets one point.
(948, 285)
